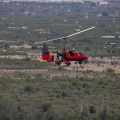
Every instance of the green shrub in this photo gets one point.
(92, 109)
(110, 70)
(28, 88)
(46, 107)
(10, 110)
(64, 94)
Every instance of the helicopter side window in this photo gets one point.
(71, 53)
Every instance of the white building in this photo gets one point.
(110, 37)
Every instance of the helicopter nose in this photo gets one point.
(85, 57)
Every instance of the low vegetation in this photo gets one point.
(41, 95)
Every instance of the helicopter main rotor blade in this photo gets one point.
(50, 40)
(80, 32)
(66, 36)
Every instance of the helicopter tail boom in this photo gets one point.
(46, 56)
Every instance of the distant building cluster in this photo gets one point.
(50, 0)
(42, 31)
(110, 37)
(11, 27)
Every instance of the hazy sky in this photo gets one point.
(53, 0)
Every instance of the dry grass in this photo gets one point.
(98, 64)
(94, 64)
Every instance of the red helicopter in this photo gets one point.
(64, 56)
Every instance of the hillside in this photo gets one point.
(31, 89)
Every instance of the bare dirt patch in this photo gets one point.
(98, 64)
